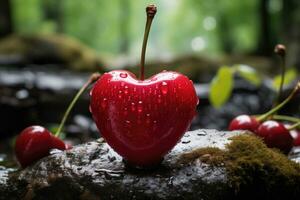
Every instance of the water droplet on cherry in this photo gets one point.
(125, 111)
(140, 107)
(120, 94)
(123, 75)
(132, 106)
(126, 89)
(148, 118)
(164, 88)
(159, 98)
(104, 102)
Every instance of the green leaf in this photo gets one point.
(221, 86)
(289, 76)
(249, 74)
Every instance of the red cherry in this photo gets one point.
(296, 137)
(59, 144)
(34, 143)
(143, 120)
(244, 122)
(276, 135)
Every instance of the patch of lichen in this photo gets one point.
(210, 155)
(252, 167)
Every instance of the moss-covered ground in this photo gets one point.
(252, 168)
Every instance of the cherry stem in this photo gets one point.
(294, 126)
(279, 106)
(280, 50)
(150, 11)
(286, 118)
(94, 77)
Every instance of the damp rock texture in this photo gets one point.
(94, 171)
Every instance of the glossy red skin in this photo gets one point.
(244, 122)
(34, 143)
(296, 137)
(59, 144)
(275, 135)
(143, 120)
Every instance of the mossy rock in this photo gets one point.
(252, 168)
(205, 164)
(52, 49)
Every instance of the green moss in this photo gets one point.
(252, 167)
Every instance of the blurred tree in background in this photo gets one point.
(115, 27)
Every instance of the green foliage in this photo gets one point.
(107, 25)
(221, 86)
(248, 73)
(289, 76)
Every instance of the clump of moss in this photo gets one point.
(253, 168)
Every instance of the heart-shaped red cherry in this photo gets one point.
(244, 122)
(276, 135)
(34, 143)
(143, 120)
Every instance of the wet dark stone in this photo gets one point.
(93, 170)
(88, 172)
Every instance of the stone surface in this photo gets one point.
(94, 171)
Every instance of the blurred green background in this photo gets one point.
(49, 47)
(199, 27)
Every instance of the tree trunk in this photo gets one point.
(291, 31)
(226, 40)
(53, 10)
(6, 23)
(265, 46)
